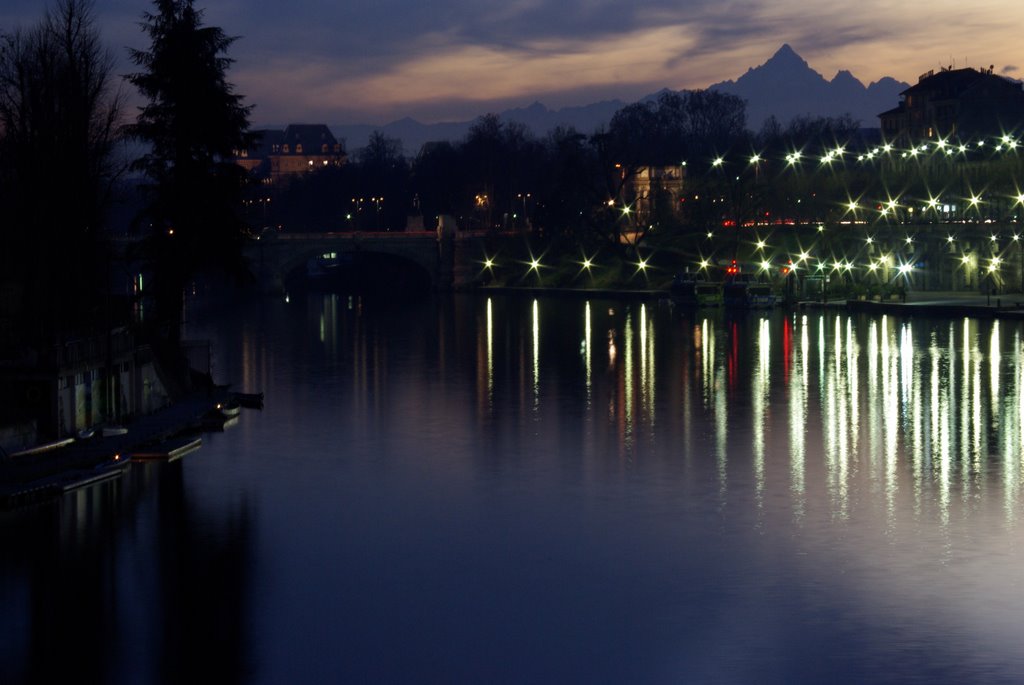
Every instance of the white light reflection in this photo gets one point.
(1014, 453)
(994, 359)
(587, 347)
(798, 424)
(941, 454)
(965, 436)
(852, 366)
(759, 404)
(536, 355)
(647, 379)
(490, 353)
(707, 370)
(910, 375)
(890, 413)
(627, 376)
(912, 416)
(874, 397)
(836, 429)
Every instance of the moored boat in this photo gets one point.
(168, 450)
(696, 292)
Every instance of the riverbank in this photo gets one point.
(922, 303)
(31, 477)
(945, 304)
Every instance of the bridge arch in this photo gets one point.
(275, 257)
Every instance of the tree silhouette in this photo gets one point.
(193, 123)
(59, 115)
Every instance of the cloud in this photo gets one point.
(375, 58)
(1009, 69)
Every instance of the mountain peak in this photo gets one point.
(786, 55)
(786, 86)
(845, 79)
(785, 51)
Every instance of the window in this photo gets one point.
(284, 148)
(298, 148)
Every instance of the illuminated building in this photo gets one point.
(955, 102)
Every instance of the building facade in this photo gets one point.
(298, 149)
(956, 103)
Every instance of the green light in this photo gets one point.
(534, 265)
(489, 263)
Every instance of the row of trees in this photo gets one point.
(565, 183)
(59, 116)
(586, 186)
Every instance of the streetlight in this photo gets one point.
(376, 201)
(523, 197)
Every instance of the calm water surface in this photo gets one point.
(488, 490)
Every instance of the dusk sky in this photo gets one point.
(373, 61)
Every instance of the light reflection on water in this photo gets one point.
(877, 446)
(495, 489)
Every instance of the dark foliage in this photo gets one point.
(193, 122)
(58, 126)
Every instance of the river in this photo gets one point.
(502, 489)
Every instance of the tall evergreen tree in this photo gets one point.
(193, 123)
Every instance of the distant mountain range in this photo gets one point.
(785, 86)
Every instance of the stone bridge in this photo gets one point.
(450, 261)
